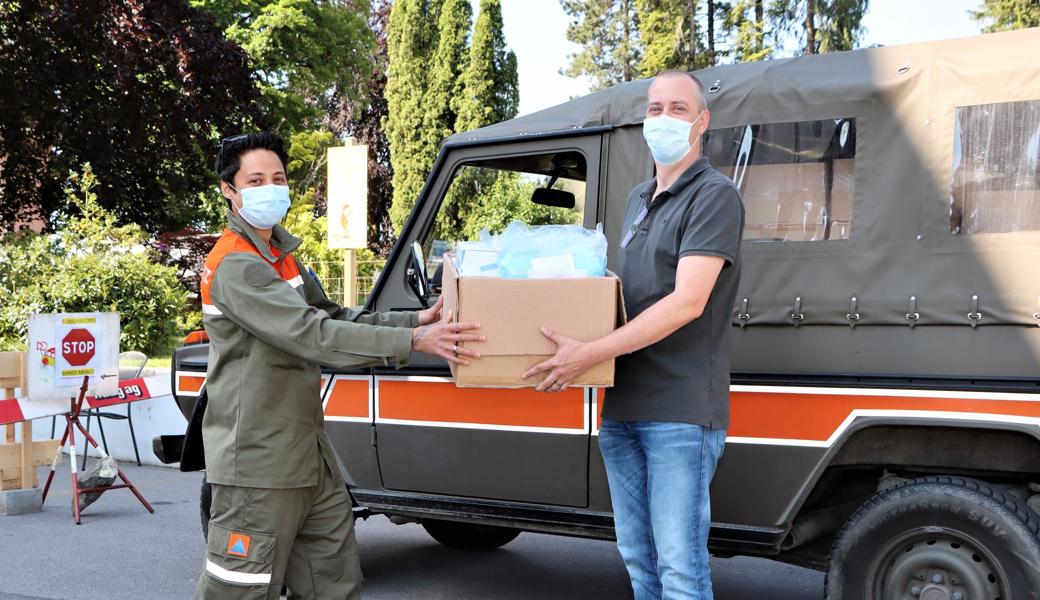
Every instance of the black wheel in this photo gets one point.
(937, 538)
(469, 536)
(205, 500)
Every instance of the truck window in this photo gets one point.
(996, 171)
(796, 178)
(490, 194)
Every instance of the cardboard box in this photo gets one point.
(511, 313)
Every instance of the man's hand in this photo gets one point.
(432, 314)
(572, 358)
(442, 339)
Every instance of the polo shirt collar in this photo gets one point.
(281, 239)
(685, 178)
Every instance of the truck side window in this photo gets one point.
(490, 194)
(796, 178)
(996, 170)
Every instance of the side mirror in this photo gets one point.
(417, 275)
(551, 197)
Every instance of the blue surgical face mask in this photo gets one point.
(265, 205)
(668, 137)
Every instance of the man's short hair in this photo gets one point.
(232, 149)
(677, 73)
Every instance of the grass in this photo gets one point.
(160, 362)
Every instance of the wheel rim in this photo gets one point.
(937, 563)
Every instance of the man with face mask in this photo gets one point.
(280, 509)
(664, 422)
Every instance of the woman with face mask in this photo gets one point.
(279, 503)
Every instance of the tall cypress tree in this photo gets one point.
(491, 94)
(445, 95)
(492, 90)
(411, 37)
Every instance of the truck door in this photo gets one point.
(514, 445)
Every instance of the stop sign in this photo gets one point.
(77, 347)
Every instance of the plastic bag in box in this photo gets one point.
(548, 251)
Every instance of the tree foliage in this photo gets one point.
(1005, 15)
(821, 25)
(491, 90)
(305, 53)
(92, 265)
(625, 39)
(138, 89)
(505, 198)
(361, 116)
(411, 38)
(608, 33)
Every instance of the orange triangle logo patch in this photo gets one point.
(238, 545)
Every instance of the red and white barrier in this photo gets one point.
(20, 408)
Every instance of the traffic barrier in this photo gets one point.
(71, 425)
(19, 484)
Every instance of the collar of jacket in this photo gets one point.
(280, 238)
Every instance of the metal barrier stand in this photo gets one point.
(71, 424)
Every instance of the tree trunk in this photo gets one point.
(711, 33)
(759, 25)
(693, 34)
(810, 27)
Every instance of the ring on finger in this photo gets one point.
(455, 348)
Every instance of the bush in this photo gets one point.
(90, 265)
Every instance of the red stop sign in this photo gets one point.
(77, 347)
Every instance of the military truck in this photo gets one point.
(886, 384)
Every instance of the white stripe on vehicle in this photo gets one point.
(859, 413)
(236, 577)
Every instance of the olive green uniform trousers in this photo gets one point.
(260, 537)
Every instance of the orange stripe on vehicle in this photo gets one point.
(348, 398)
(189, 383)
(445, 403)
(817, 416)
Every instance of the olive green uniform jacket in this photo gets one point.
(263, 425)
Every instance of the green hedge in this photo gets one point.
(90, 265)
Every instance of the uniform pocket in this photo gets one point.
(239, 563)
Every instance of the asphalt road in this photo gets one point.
(120, 551)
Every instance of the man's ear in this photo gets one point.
(226, 190)
(707, 121)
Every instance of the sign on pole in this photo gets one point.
(348, 196)
(63, 348)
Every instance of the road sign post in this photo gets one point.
(348, 208)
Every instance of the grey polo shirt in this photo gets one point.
(684, 377)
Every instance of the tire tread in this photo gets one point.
(1020, 510)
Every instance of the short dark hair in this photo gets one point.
(700, 86)
(232, 148)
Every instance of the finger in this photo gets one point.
(438, 304)
(552, 335)
(547, 383)
(446, 317)
(464, 326)
(541, 367)
(463, 351)
(450, 357)
(466, 337)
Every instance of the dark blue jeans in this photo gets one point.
(659, 474)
